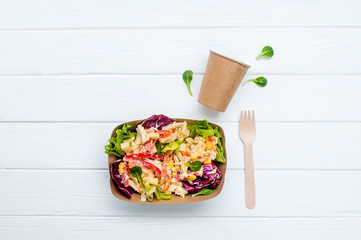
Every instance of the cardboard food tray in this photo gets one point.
(175, 198)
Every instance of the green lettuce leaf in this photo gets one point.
(204, 129)
(201, 128)
(161, 195)
(220, 156)
(113, 148)
(149, 190)
(173, 146)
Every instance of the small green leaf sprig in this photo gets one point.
(261, 81)
(204, 191)
(267, 51)
(187, 78)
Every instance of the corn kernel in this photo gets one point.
(168, 192)
(210, 146)
(207, 162)
(171, 164)
(120, 170)
(192, 178)
(174, 169)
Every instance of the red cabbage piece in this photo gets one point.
(208, 180)
(157, 121)
(118, 179)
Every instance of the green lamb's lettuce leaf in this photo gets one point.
(113, 148)
(137, 173)
(204, 191)
(161, 195)
(204, 129)
(260, 81)
(173, 146)
(194, 166)
(187, 78)
(267, 51)
(148, 188)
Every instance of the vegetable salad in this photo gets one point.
(164, 157)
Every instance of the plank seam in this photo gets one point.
(167, 74)
(228, 169)
(152, 216)
(218, 121)
(170, 27)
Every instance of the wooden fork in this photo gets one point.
(247, 133)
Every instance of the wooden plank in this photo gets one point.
(81, 145)
(15, 14)
(297, 50)
(200, 228)
(119, 98)
(87, 193)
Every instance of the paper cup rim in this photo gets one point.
(233, 60)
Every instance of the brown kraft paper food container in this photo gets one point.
(175, 198)
(221, 80)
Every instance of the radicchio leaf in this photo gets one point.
(118, 179)
(157, 121)
(208, 179)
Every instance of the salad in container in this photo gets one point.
(161, 160)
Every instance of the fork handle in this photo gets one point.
(249, 174)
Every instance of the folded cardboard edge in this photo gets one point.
(175, 199)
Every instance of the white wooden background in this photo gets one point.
(71, 70)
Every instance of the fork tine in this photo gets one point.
(253, 120)
(242, 115)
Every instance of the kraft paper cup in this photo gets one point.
(221, 80)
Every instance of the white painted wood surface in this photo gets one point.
(70, 71)
(69, 14)
(93, 98)
(299, 50)
(248, 228)
(86, 193)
